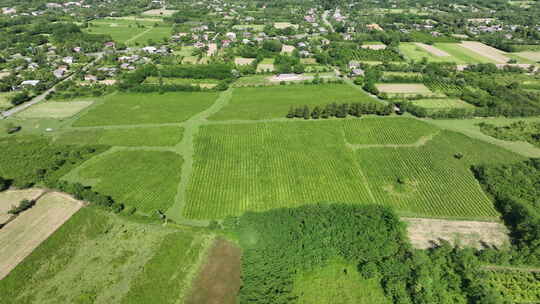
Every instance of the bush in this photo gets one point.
(23, 206)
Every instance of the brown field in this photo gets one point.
(408, 88)
(22, 235)
(12, 198)
(425, 233)
(219, 280)
(486, 51)
(534, 56)
(432, 50)
(374, 46)
(243, 61)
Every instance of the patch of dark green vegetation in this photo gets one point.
(520, 130)
(283, 243)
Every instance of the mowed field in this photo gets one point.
(442, 103)
(26, 232)
(269, 165)
(130, 31)
(275, 101)
(132, 108)
(99, 257)
(55, 109)
(454, 52)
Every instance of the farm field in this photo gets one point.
(121, 30)
(33, 226)
(429, 180)
(492, 53)
(275, 101)
(146, 180)
(457, 53)
(125, 137)
(55, 109)
(159, 12)
(11, 198)
(131, 108)
(254, 27)
(442, 103)
(155, 33)
(203, 83)
(406, 89)
(98, 257)
(533, 56)
(262, 166)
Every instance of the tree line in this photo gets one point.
(341, 110)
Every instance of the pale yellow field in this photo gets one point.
(33, 226)
(433, 50)
(534, 56)
(159, 12)
(409, 88)
(485, 50)
(243, 61)
(55, 109)
(11, 198)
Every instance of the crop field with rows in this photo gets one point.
(147, 180)
(442, 103)
(381, 131)
(262, 166)
(430, 180)
(443, 87)
(518, 286)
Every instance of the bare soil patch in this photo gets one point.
(374, 46)
(159, 12)
(426, 233)
(243, 61)
(22, 235)
(403, 88)
(288, 49)
(486, 51)
(219, 280)
(534, 56)
(432, 50)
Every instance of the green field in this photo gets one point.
(147, 180)
(155, 34)
(337, 283)
(5, 100)
(131, 109)
(121, 30)
(263, 166)
(275, 101)
(442, 103)
(458, 54)
(518, 286)
(55, 109)
(97, 257)
(204, 83)
(129, 137)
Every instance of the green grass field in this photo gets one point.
(442, 103)
(5, 100)
(458, 54)
(275, 101)
(55, 109)
(204, 83)
(129, 137)
(130, 109)
(97, 257)
(155, 34)
(337, 283)
(147, 180)
(121, 30)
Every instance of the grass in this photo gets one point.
(129, 137)
(204, 83)
(337, 283)
(5, 100)
(241, 167)
(146, 180)
(275, 101)
(97, 257)
(121, 30)
(470, 128)
(155, 34)
(255, 27)
(442, 103)
(55, 109)
(133, 108)
(459, 55)
(429, 180)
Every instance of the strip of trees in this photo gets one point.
(341, 110)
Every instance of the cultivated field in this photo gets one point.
(374, 46)
(26, 232)
(284, 25)
(125, 137)
(159, 12)
(442, 103)
(533, 56)
(432, 50)
(11, 198)
(406, 89)
(98, 257)
(203, 83)
(55, 109)
(121, 30)
(243, 61)
(426, 233)
(275, 101)
(147, 180)
(155, 33)
(453, 52)
(130, 109)
(485, 50)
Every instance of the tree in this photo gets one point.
(4, 184)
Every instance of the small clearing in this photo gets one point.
(486, 51)
(425, 233)
(432, 50)
(55, 109)
(265, 67)
(374, 46)
(219, 280)
(243, 61)
(22, 235)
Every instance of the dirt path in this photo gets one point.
(186, 148)
(219, 280)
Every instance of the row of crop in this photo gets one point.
(519, 286)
